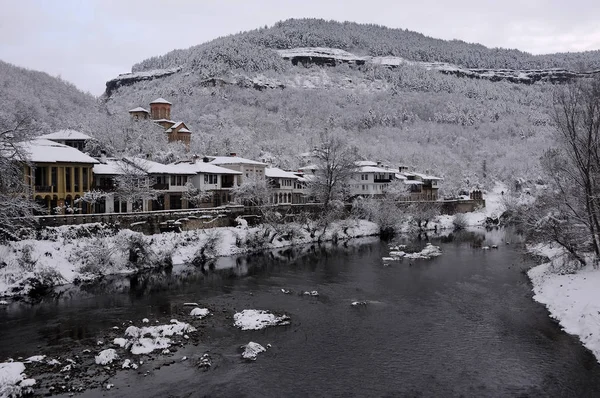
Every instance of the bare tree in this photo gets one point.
(195, 196)
(16, 206)
(254, 191)
(335, 164)
(133, 184)
(574, 169)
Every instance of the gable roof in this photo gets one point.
(160, 100)
(66, 134)
(274, 172)
(200, 167)
(46, 151)
(139, 109)
(112, 166)
(152, 167)
(233, 160)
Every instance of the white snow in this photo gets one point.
(69, 253)
(145, 320)
(106, 356)
(121, 342)
(36, 358)
(3, 302)
(572, 298)
(146, 339)
(251, 350)
(66, 134)
(428, 251)
(258, 319)
(46, 151)
(13, 381)
(200, 312)
(311, 293)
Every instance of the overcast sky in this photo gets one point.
(89, 42)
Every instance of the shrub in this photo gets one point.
(459, 222)
(26, 260)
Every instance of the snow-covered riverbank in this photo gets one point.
(67, 254)
(572, 297)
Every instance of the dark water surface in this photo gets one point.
(462, 324)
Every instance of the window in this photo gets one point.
(364, 187)
(77, 174)
(173, 180)
(210, 178)
(68, 178)
(54, 178)
(86, 177)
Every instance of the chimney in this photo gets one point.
(379, 163)
(205, 159)
(232, 154)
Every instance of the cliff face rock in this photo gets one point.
(127, 79)
(332, 56)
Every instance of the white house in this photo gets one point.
(72, 138)
(208, 177)
(248, 168)
(286, 186)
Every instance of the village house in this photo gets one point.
(370, 179)
(135, 184)
(215, 180)
(160, 113)
(72, 138)
(286, 186)
(57, 175)
(248, 168)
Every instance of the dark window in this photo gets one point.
(85, 179)
(77, 175)
(54, 178)
(68, 178)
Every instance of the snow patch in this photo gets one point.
(146, 339)
(258, 319)
(251, 350)
(106, 356)
(13, 381)
(200, 312)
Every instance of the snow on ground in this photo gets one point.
(571, 297)
(13, 382)
(428, 251)
(106, 357)
(251, 350)
(200, 312)
(258, 319)
(66, 254)
(146, 339)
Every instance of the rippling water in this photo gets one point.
(462, 324)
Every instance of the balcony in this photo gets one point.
(383, 180)
(105, 187)
(161, 187)
(227, 184)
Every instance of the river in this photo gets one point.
(462, 324)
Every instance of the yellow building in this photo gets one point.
(57, 175)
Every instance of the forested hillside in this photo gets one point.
(237, 94)
(247, 50)
(48, 102)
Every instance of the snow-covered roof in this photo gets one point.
(365, 163)
(46, 151)
(400, 176)
(201, 167)
(184, 130)
(139, 109)
(374, 169)
(413, 182)
(66, 134)
(152, 167)
(274, 172)
(233, 160)
(113, 166)
(163, 120)
(160, 101)
(426, 177)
